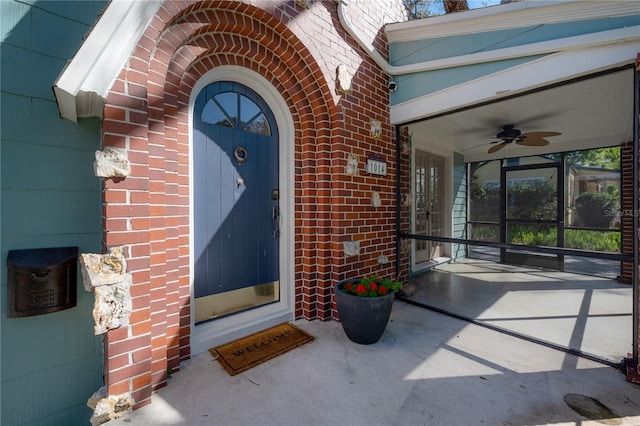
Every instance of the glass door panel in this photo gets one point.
(532, 213)
(429, 216)
(484, 208)
(436, 202)
(532, 194)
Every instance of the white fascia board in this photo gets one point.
(82, 86)
(531, 75)
(513, 15)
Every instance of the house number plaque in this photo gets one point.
(376, 166)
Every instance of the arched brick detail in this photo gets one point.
(148, 213)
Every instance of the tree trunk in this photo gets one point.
(451, 6)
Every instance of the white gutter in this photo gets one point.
(82, 87)
(546, 47)
(373, 53)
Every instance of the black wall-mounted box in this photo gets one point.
(41, 281)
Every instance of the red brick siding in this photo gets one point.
(146, 112)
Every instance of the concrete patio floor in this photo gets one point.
(590, 315)
(428, 369)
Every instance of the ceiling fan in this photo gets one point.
(510, 134)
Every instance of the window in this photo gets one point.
(230, 109)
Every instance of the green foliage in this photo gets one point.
(593, 209)
(535, 235)
(607, 241)
(485, 233)
(545, 235)
(607, 158)
(537, 200)
(371, 286)
(592, 240)
(532, 200)
(485, 203)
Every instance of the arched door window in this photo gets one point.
(232, 109)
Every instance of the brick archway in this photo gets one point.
(148, 213)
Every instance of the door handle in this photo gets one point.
(275, 215)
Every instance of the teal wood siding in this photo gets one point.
(415, 51)
(459, 222)
(50, 197)
(412, 86)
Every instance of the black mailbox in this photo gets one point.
(41, 281)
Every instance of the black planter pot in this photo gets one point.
(363, 319)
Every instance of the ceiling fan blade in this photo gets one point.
(538, 135)
(476, 146)
(533, 142)
(498, 147)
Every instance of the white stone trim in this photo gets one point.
(82, 87)
(228, 328)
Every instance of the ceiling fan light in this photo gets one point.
(508, 133)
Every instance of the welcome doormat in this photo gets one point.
(247, 352)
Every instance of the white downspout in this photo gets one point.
(373, 53)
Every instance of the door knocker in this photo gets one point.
(241, 154)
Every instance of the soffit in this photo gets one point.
(593, 111)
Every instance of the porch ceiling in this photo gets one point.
(591, 112)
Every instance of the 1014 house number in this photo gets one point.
(375, 167)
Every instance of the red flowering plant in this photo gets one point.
(371, 286)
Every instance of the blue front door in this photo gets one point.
(236, 201)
